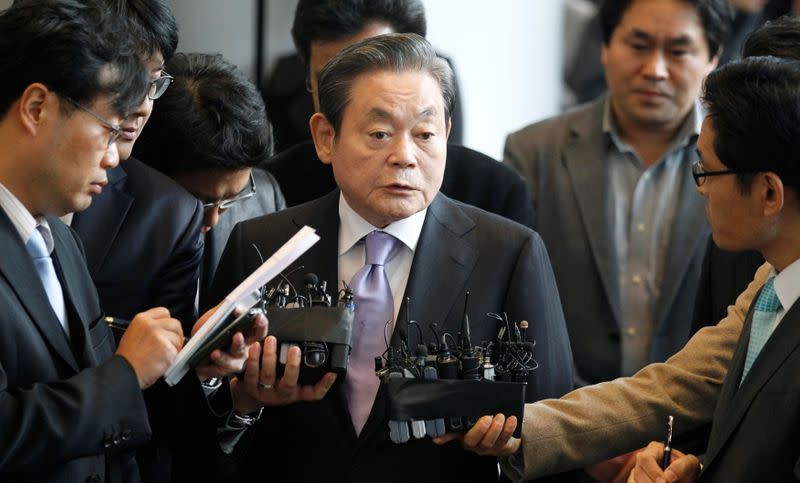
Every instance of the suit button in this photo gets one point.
(107, 443)
(636, 279)
(631, 331)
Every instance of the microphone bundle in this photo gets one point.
(308, 320)
(445, 387)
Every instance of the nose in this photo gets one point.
(403, 151)
(110, 157)
(655, 66)
(210, 218)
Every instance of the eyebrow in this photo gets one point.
(680, 40)
(381, 114)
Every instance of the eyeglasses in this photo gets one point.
(700, 176)
(115, 129)
(228, 202)
(159, 86)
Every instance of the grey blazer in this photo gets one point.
(563, 161)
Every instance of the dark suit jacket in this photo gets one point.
(68, 411)
(469, 176)
(754, 434)
(143, 245)
(724, 276)
(563, 160)
(503, 264)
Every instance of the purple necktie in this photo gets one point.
(374, 307)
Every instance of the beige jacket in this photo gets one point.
(594, 423)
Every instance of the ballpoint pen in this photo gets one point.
(667, 445)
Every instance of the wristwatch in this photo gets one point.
(241, 421)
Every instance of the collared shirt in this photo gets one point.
(25, 223)
(643, 205)
(787, 288)
(353, 228)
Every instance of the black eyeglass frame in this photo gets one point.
(116, 130)
(700, 176)
(228, 202)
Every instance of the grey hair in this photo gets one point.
(389, 52)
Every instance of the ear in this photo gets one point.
(714, 62)
(34, 105)
(449, 127)
(324, 136)
(604, 53)
(774, 193)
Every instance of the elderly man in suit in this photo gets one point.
(384, 116)
(323, 28)
(611, 189)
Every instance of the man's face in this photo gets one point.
(134, 123)
(73, 161)
(323, 51)
(736, 219)
(389, 156)
(655, 62)
(210, 186)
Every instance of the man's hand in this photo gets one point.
(232, 360)
(489, 436)
(150, 344)
(683, 468)
(259, 387)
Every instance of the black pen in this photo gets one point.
(667, 446)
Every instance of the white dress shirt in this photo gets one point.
(353, 228)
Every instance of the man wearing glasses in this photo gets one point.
(142, 233)
(209, 133)
(71, 401)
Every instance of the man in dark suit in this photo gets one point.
(210, 133)
(142, 233)
(323, 28)
(70, 407)
(385, 105)
(613, 178)
(748, 172)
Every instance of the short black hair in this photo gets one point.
(716, 17)
(326, 20)
(779, 38)
(152, 23)
(389, 52)
(69, 46)
(211, 118)
(754, 107)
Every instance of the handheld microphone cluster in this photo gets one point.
(308, 320)
(442, 387)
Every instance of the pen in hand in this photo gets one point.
(667, 446)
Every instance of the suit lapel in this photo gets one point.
(68, 264)
(585, 160)
(689, 229)
(17, 268)
(444, 259)
(323, 258)
(737, 399)
(111, 206)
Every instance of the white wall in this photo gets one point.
(507, 54)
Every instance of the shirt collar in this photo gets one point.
(22, 219)
(687, 132)
(787, 284)
(353, 227)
